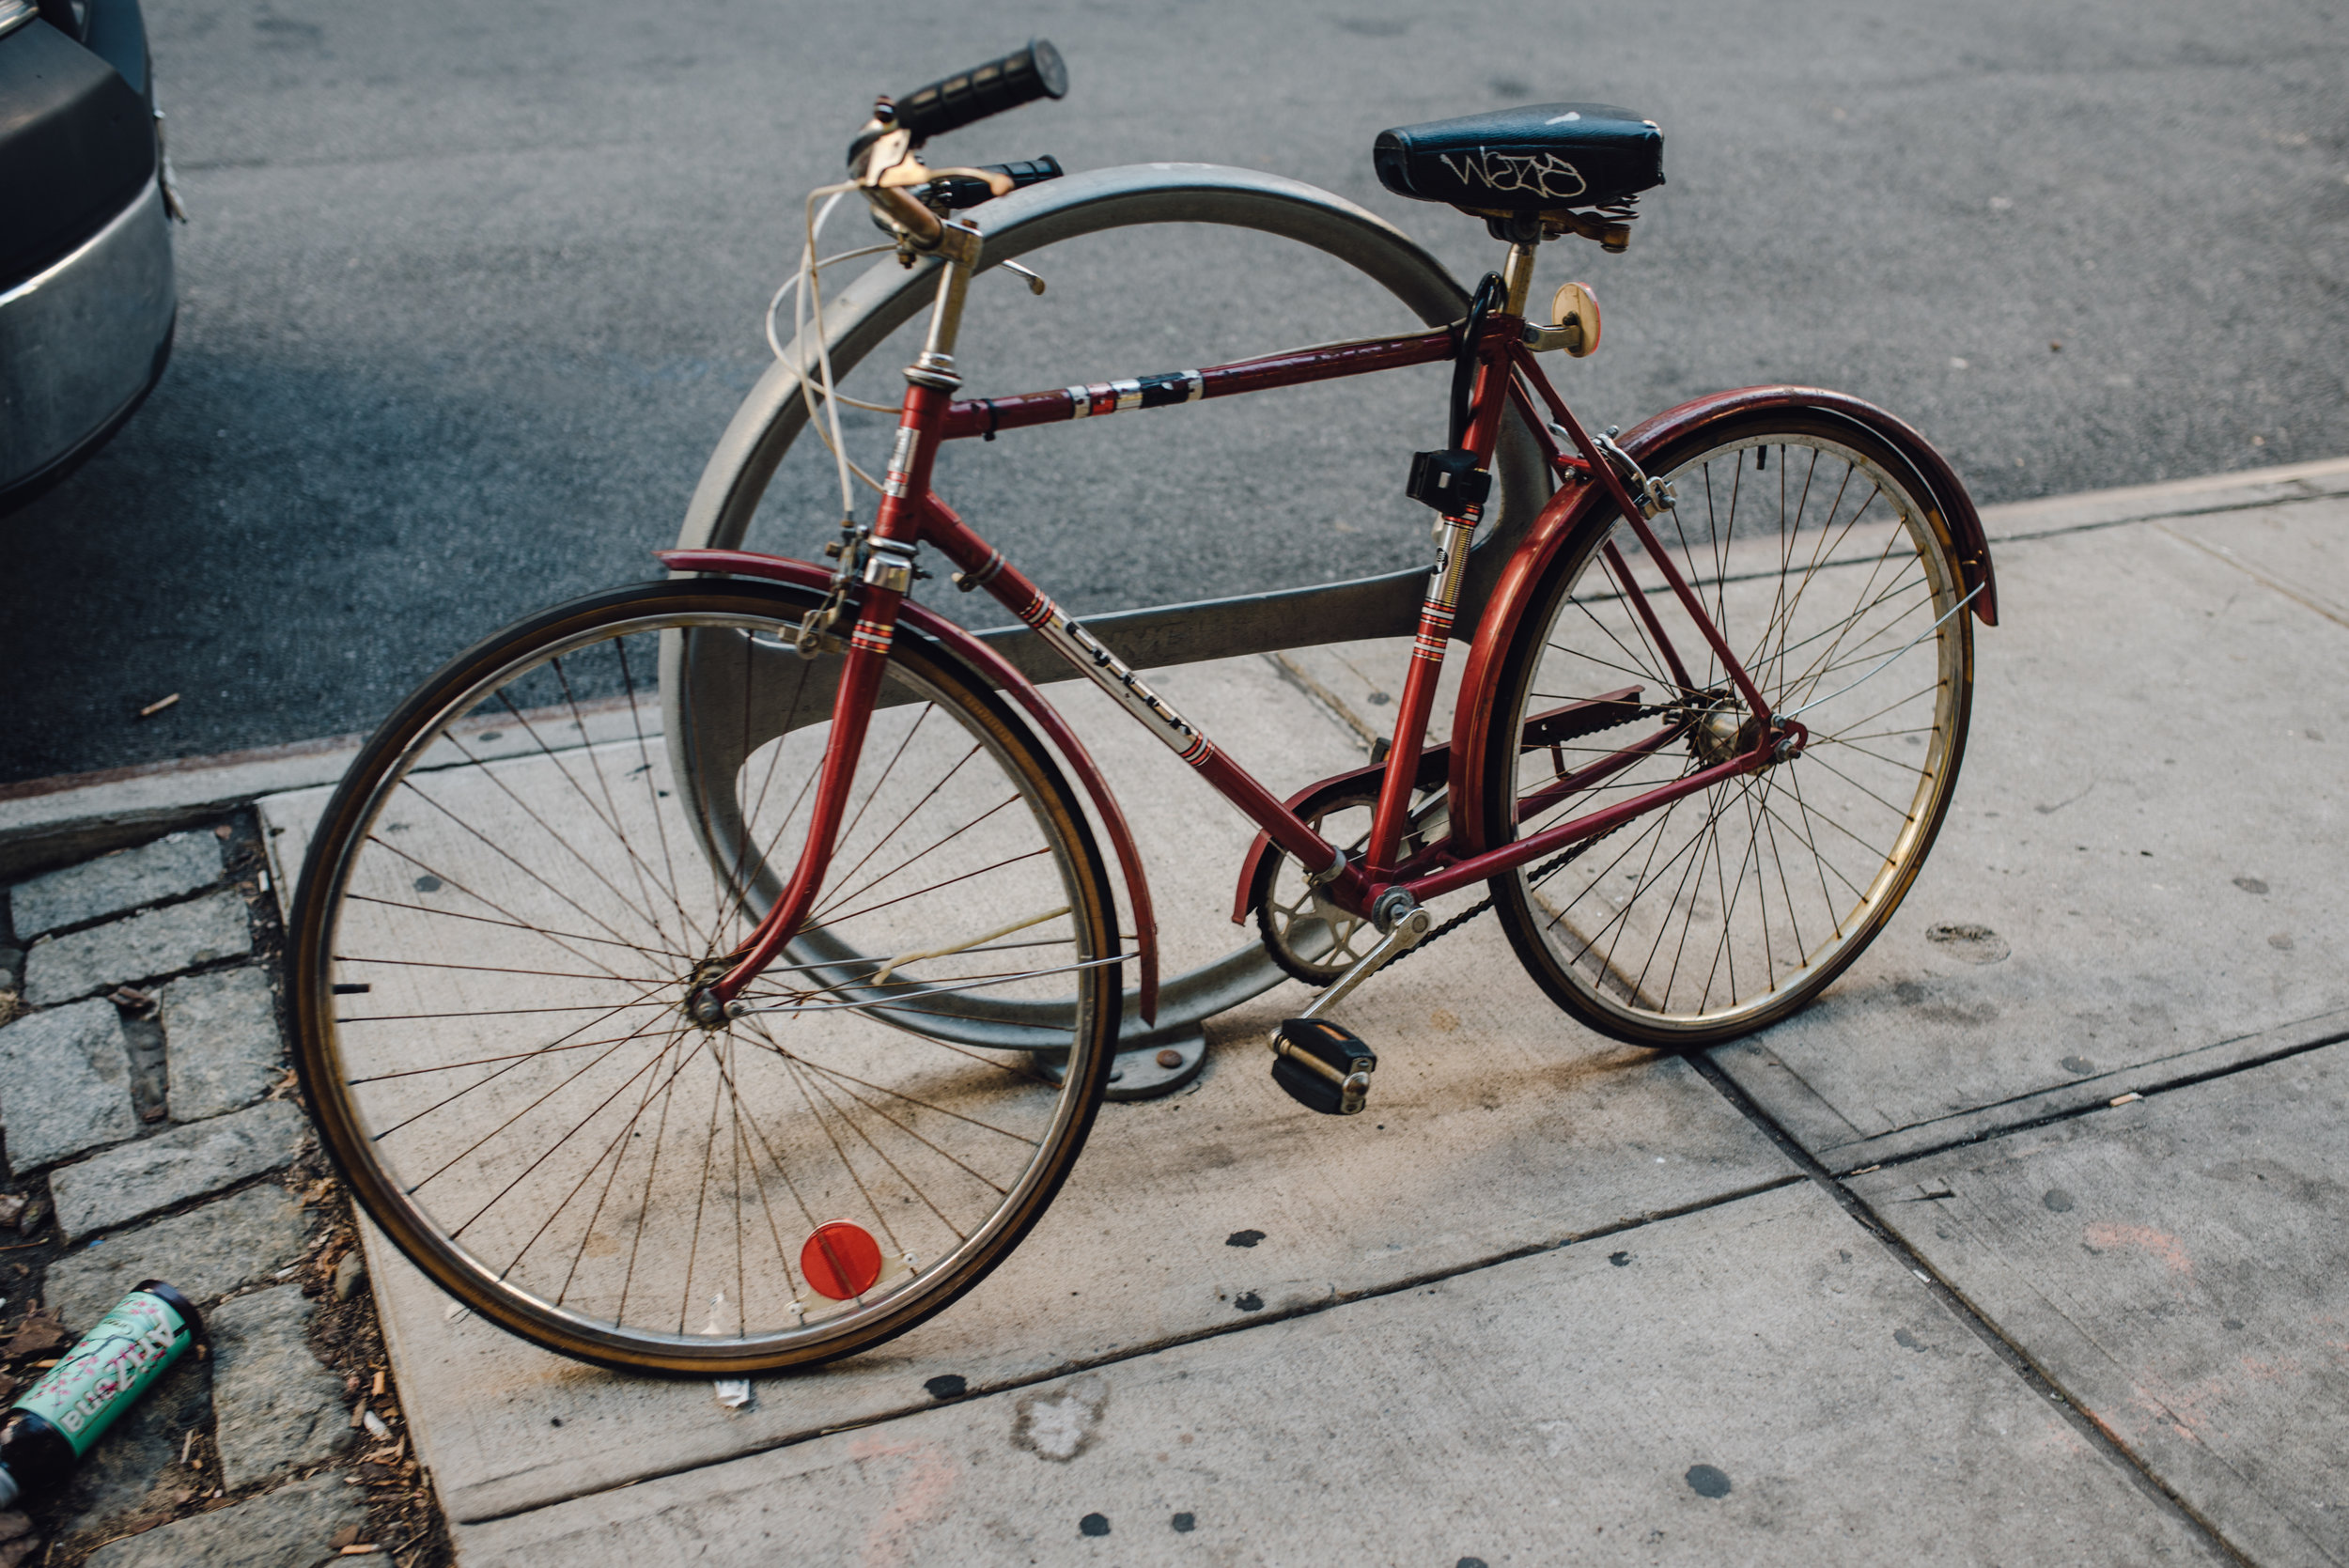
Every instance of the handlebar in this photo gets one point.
(953, 101)
(960, 190)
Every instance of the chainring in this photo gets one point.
(1301, 931)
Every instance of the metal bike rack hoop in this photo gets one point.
(862, 316)
(886, 296)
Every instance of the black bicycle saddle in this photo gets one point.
(1538, 158)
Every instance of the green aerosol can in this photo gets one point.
(54, 1422)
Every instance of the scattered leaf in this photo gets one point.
(38, 1334)
(138, 1003)
(17, 1541)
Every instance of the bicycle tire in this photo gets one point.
(492, 870)
(1608, 932)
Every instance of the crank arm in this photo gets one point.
(1398, 940)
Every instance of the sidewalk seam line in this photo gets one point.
(1320, 695)
(2074, 1113)
(2017, 1359)
(2114, 1075)
(1239, 1326)
(2164, 517)
(2226, 556)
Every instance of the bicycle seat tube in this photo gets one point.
(1454, 530)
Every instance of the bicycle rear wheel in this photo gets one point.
(506, 907)
(1839, 590)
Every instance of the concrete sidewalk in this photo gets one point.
(1896, 1281)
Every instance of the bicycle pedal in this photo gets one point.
(1322, 1066)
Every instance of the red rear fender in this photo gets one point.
(1934, 482)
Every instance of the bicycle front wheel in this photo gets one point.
(1838, 591)
(506, 907)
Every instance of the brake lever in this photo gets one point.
(884, 175)
(888, 147)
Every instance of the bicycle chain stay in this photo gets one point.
(1555, 862)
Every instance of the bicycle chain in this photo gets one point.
(1555, 862)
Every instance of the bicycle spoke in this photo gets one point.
(516, 1063)
(613, 939)
(1720, 904)
(918, 855)
(493, 968)
(509, 924)
(618, 1149)
(555, 1147)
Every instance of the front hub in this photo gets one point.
(703, 1004)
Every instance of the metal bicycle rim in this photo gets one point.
(487, 1281)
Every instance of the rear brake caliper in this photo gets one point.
(1653, 495)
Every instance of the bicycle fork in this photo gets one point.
(886, 578)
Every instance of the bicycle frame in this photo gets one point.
(911, 514)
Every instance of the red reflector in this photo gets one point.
(841, 1260)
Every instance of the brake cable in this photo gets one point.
(1490, 293)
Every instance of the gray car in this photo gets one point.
(86, 297)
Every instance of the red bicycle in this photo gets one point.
(723, 973)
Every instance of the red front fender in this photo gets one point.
(1936, 486)
(995, 668)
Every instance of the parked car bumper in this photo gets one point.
(82, 343)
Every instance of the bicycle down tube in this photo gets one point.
(911, 515)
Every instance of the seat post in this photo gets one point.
(1517, 273)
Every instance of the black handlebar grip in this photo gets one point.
(1017, 78)
(958, 189)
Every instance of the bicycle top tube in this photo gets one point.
(1492, 356)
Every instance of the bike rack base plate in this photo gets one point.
(1141, 1073)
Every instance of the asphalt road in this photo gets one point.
(472, 290)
